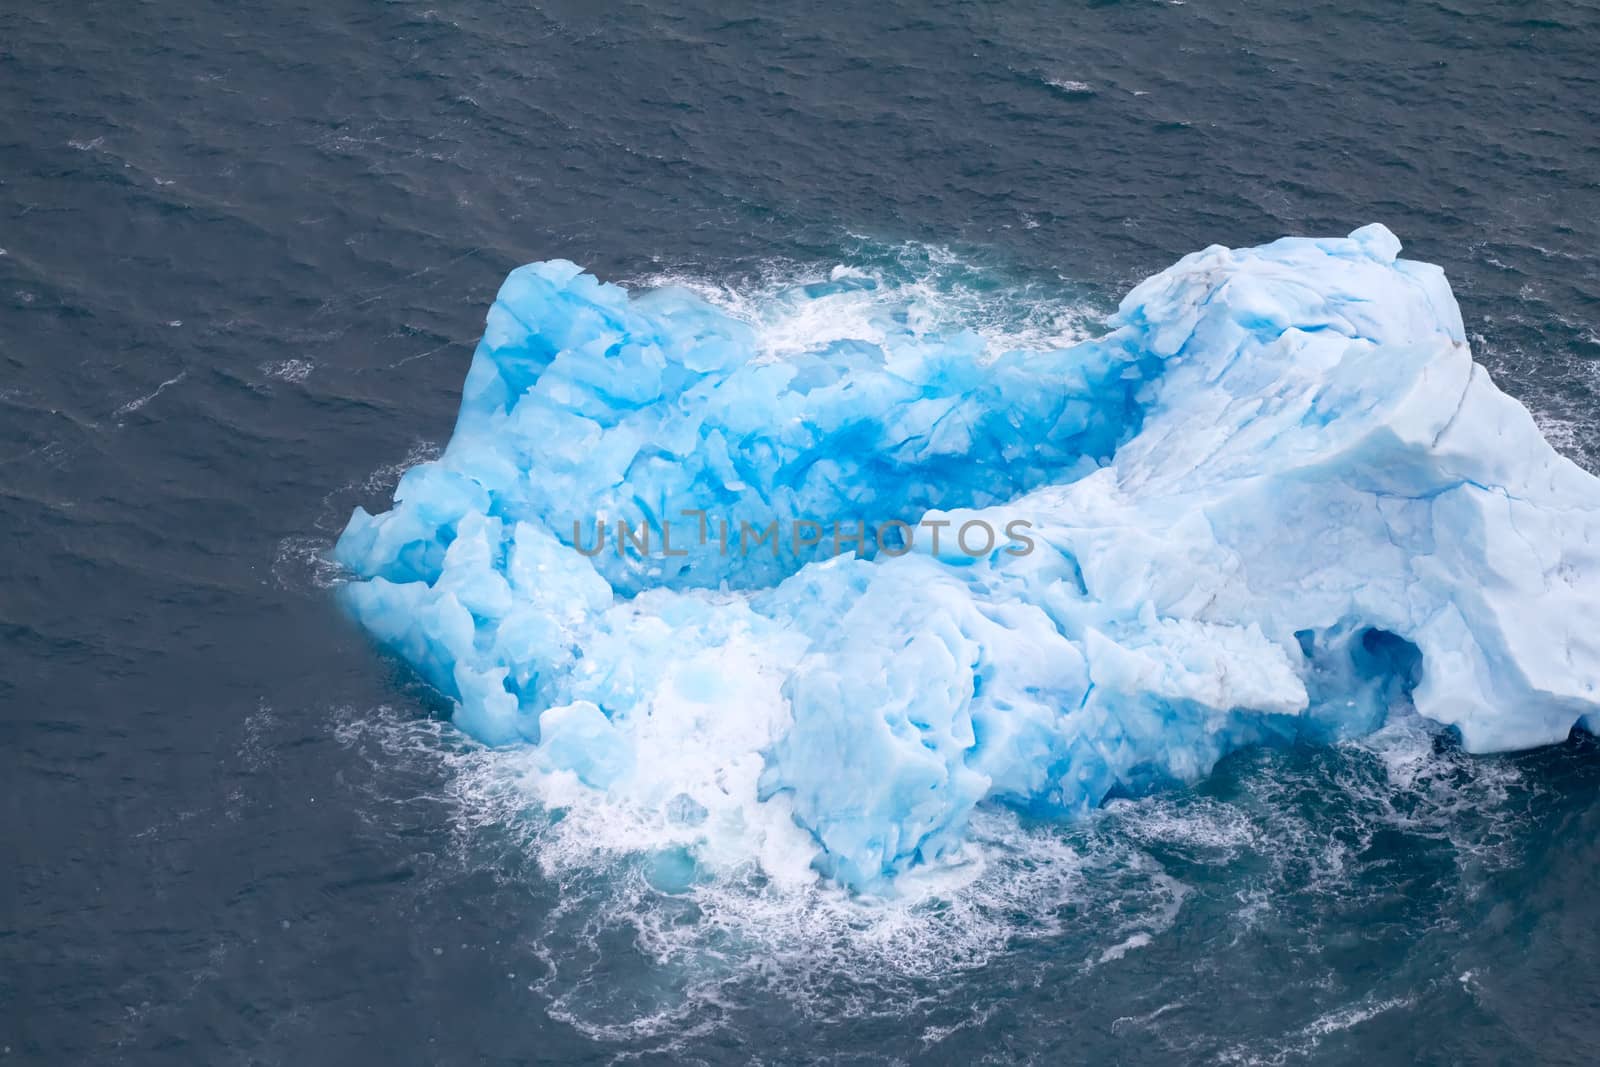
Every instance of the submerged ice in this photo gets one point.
(1275, 500)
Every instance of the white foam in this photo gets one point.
(934, 288)
(1097, 885)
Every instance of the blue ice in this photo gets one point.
(1274, 500)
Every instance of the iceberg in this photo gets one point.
(832, 598)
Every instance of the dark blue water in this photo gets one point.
(245, 256)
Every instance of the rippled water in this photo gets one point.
(245, 257)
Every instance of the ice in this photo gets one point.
(1275, 500)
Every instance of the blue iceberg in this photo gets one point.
(809, 606)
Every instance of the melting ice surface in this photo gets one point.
(1276, 499)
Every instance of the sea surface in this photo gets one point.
(245, 252)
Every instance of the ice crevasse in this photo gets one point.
(1274, 500)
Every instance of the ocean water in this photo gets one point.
(244, 257)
